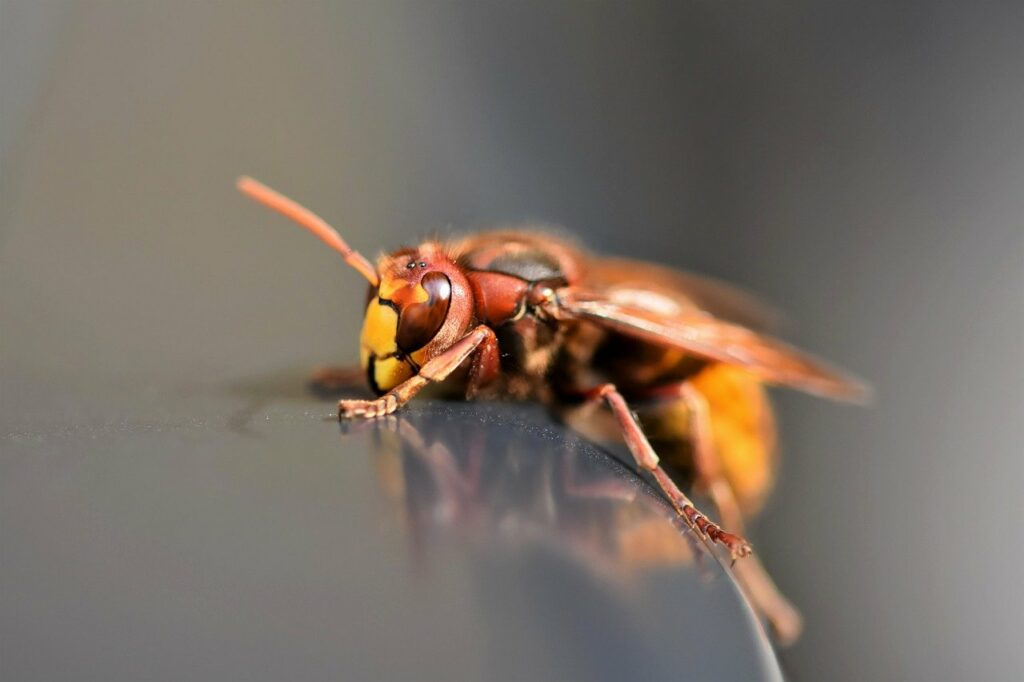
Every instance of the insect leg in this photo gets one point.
(705, 457)
(328, 379)
(605, 488)
(484, 367)
(784, 619)
(646, 459)
(436, 369)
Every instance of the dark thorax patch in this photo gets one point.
(531, 265)
(516, 258)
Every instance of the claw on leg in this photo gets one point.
(367, 409)
(737, 546)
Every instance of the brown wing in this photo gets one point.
(653, 316)
(724, 301)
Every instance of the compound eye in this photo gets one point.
(418, 323)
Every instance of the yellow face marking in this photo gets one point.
(389, 372)
(398, 290)
(380, 328)
(380, 331)
(388, 287)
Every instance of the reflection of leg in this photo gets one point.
(337, 378)
(435, 369)
(646, 459)
(456, 490)
(759, 587)
(443, 465)
(605, 488)
(612, 487)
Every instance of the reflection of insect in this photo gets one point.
(528, 316)
(524, 485)
(532, 503)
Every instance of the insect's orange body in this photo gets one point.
(528, 316)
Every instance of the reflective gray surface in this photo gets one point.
(238, 532)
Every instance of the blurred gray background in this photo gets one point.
(860, 165)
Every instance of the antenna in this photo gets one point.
(256, 190)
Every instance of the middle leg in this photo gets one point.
(786, 622)
(646, 459)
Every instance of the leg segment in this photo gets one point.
(327, 379)
(646, 459)
(705, 457)
(435, 369)
(485, 365)
(784, 619)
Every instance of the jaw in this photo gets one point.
(384, 374)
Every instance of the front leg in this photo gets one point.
(436, 369)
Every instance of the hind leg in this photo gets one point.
(785, 620)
